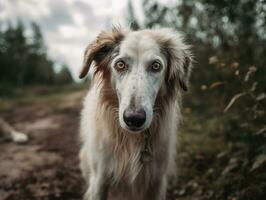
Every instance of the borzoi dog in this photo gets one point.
(131, 113)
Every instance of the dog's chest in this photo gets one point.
(135, 164)
(134, 186)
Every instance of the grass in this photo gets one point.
(212, 167)
(50, 95)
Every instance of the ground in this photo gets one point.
(47, 167)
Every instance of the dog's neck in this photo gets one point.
(147, 153)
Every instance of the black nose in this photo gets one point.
(134, 118)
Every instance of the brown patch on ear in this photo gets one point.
(183, 85)
(183, 81)
(100, 50)
(86, 63)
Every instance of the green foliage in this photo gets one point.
(131, 18)
(24, 60)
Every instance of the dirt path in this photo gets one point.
(47, 167)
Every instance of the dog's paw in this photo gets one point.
(19, 137)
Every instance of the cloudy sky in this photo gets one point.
(69, 25)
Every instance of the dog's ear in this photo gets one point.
(179, 62)
(178, 56)
(100, 49)
(184, 74)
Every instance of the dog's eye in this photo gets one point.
(120, 65)
(156, 66)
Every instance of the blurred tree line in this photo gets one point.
(228, 81)
(24, 60)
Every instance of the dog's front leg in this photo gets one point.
(158, 190)
(162, 189)
(98, 187)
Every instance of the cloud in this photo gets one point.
(67, 25)
(57, 16)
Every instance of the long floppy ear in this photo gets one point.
(179, 58)
(187, 66)
(100, 49)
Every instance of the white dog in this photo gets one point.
(131, 112)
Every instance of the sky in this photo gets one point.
(68, 26)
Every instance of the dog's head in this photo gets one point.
(142, 66)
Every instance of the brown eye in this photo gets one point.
(156, 66)
(120, 65)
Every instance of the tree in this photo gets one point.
(14, 54)
(64, 76)
(40, 68)
(37, 43)
(134, 25)
(24, 59)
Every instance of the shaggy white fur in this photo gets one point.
(126, 77)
